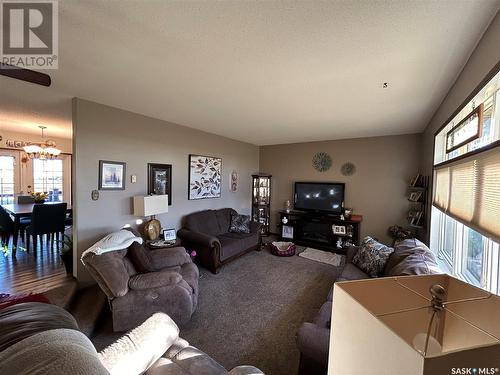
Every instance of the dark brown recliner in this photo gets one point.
(207, 232)
(134, 296)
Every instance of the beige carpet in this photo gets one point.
(250, 312)
(322, 256)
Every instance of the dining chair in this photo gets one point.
(46, 219)
(6, 226)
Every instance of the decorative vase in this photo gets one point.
(39, 201)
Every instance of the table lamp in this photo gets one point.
(151, 205)
(428, 324)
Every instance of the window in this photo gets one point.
(48, 177)
(465, 217)
(7, 165)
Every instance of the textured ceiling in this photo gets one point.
(264, 72)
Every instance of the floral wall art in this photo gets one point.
(204, 177)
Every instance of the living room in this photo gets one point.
(357, 96)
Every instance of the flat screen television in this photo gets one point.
(327, 197)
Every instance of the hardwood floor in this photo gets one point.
(32, 272)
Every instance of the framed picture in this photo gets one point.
(204, 177)
(466, 130)
(415, 196)
(287, 232)
(233, 181)
(169, 234)
(111, 175)
(338, 229)
(160, 180)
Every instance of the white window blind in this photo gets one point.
(469, 190)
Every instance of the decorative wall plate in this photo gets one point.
(348, 169)
(322, 162)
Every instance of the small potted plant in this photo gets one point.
(39, 197)
(67, 253)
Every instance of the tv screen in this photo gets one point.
(319, 196)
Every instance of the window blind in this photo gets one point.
(469, 191)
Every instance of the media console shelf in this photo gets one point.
(320, 231)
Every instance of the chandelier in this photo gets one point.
(44, 150)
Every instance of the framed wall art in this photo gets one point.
(160, 180)
(204, 177)
(111, 175)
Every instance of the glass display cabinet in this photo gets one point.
(261, 200)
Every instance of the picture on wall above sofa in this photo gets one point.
(204, 177)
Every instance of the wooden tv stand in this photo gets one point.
(316, 230)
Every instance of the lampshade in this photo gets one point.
(379, 326)
(150, 205)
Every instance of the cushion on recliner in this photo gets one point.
(109, 270)
(140, 258)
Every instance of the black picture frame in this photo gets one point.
(157, 171)
(104, 182)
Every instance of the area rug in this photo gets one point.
(250, 312)
(322, 256)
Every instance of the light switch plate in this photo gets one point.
(133, 179)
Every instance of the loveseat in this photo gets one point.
(39, 338)
(139, 282)
(410, 257)
(207, 232)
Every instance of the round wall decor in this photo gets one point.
(348, 169)
(322, 162)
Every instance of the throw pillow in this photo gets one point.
(372, 256)
(140, 258)
(240, 224)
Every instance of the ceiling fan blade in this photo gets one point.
(25, 75)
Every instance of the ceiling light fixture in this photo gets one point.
(44, 150)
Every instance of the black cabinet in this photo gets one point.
(319, 231)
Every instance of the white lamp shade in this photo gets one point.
(150, 205)
(392, 315)
(32, 149)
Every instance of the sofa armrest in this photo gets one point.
(139, 349)
(351, 252)
(169, 257)
(198, 238)
(245, 370)
(314, 342)
(151, 280)
(255, 226)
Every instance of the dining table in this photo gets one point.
(20, 210)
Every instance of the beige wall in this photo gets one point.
(377, 189)
(482, 60)
(102, 132)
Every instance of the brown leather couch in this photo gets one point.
(207, 232)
